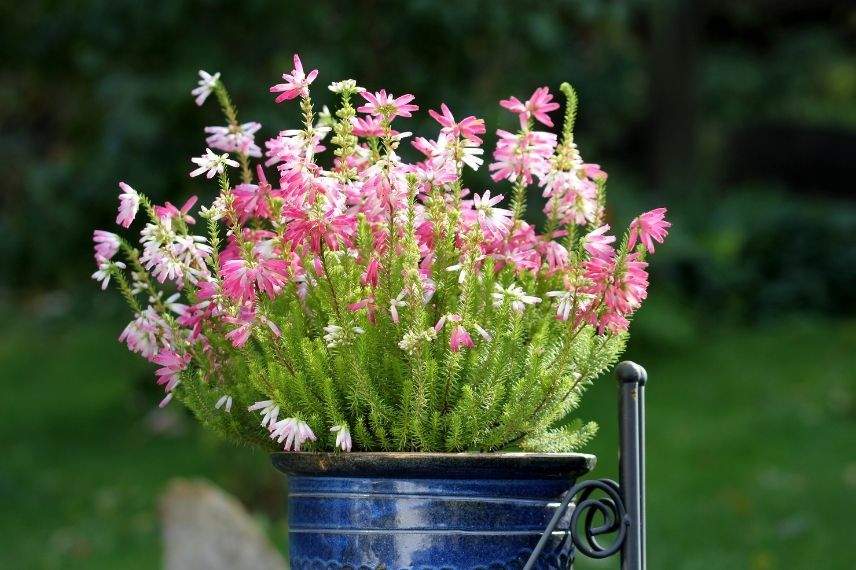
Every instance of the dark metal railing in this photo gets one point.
(622, 506)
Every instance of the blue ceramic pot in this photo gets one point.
(397, 511)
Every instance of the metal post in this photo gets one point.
(631, 464)
(623, 507)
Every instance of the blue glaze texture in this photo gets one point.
(395, 523)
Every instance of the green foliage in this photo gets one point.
(509, 391)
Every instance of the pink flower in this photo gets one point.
(146, 334)
(622, 287)
(170, 211)
(469, 127)
(292, 148)
(520, 157)
(452, 318)
(296, 83)
(241, 277)
(381, 104)
(597, 243)
(247, 318)
(369, 305)
(313, 228)
(106, 244)
(129, 204)
(537, 106)
(460, 337)
(238, 138)
(368, 126)
(556, 256)
(648, 228)
(370, 276)
(613, 322)
(171, 365)
(572, 199)
(253, 201)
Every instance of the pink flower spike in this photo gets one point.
(597, 243)
(129, 204)
(382, 104)
(296, 83)
(460, 337)
(648, 228)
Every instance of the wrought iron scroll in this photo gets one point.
(622, 506)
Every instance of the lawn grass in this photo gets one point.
(750, 449)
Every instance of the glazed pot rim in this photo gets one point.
(501, 465)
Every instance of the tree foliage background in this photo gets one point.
(748, 107)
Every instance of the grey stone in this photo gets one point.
(205, 528)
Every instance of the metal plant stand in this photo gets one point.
(622, 505)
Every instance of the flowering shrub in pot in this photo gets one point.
(365, 302)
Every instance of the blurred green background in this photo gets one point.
(739, 116)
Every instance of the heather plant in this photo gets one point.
(370, 303)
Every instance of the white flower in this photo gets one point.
(494, 221)
(343, 437)
(174, 257)
(462, 276)
(567, 300)
(139, 282)
(211, 163)
(269, 411)
(336, 335)
(349, 85)
(515, 295)
(171, 302)
(412, 339)
(394, 306)
(471, 153)
(224, 402)
(216, 211)
(483, 333)
(103, 274)
(293, 432)
(206, 85)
